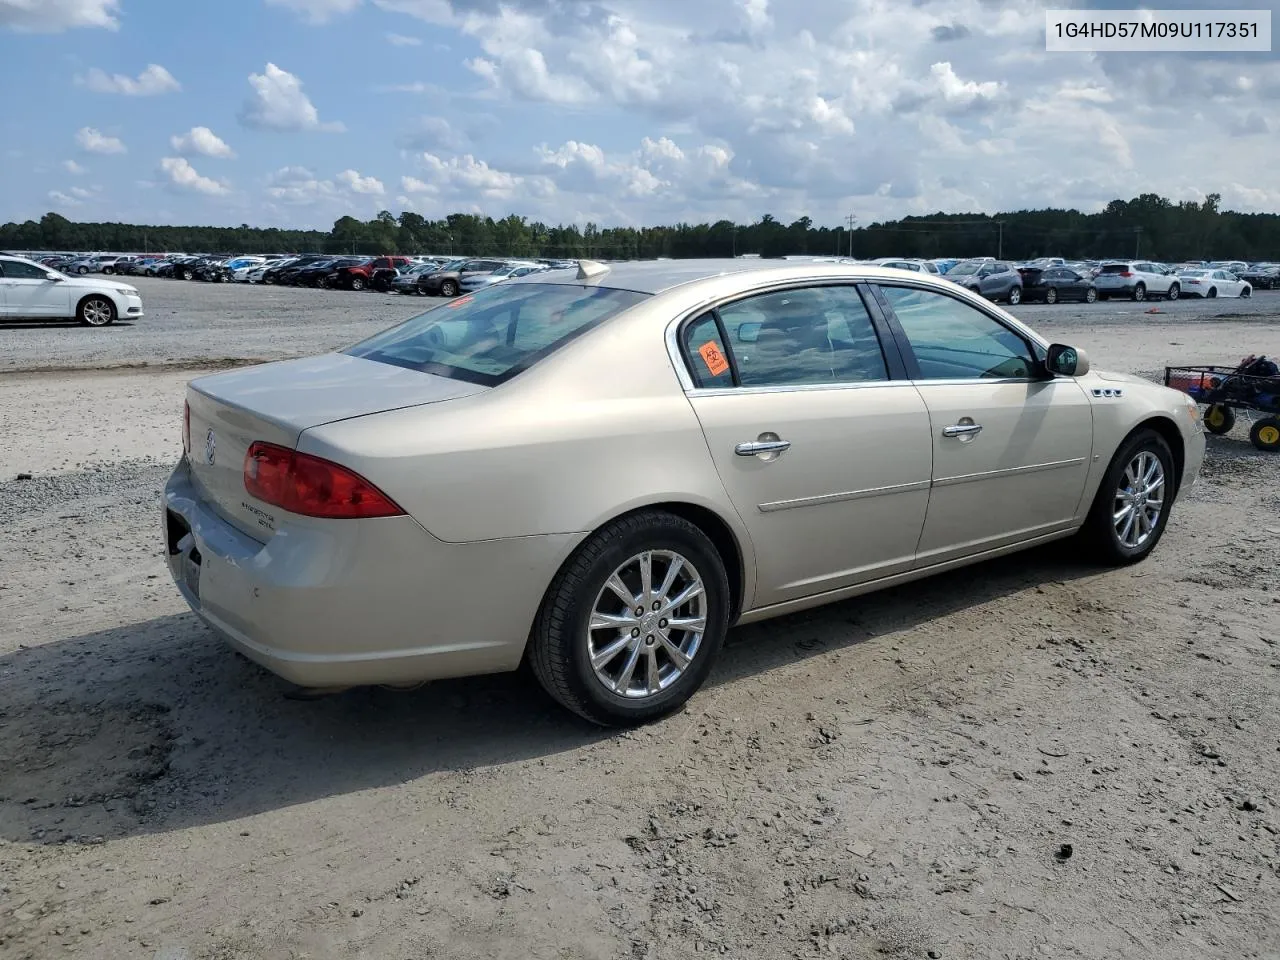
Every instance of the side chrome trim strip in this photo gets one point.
(1009, 472)
(840, 497)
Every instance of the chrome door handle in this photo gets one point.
(757, 447)
(962, 430)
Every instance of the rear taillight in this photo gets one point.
(311, 486)
(1126, 274)
(186, 428)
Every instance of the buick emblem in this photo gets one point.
(210, 447)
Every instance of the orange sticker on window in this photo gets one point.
(713, 358)
(461, 301)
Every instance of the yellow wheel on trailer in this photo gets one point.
(1265, 434)
(1219, 419)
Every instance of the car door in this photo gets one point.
(822, 444)
(1229, 284)
(1011, 448)
(28, 291)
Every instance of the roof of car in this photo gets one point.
(659, 276)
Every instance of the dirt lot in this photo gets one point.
(896, 775)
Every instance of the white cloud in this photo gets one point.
(180, 174)
(73, 168)
(317, 11)
(93, 141)
(298, 186)
(84, 193)
(278, 103)
(54, 16)
(358, 184)
(400, 40)
(152, 81)
(62, 200)
(468, 173)
(203, 142)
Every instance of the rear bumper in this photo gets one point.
(355, 602)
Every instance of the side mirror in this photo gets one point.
(749, 332)
(53, 276)
(1066, 361)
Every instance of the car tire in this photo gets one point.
(1091, 295)
(357, 283)
(96, 310)
(1265, 434)
(1212, 294)
(1015, 296)
(108, 271)
(82, 270)
(1219, 419)
(1051, 295)
(1246, 293)
(188, 275)
(1139, 293)
(1108, 538)
(1175, 291)
(449, 288)
(562, 643)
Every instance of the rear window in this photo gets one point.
(490, 336)
(1115, 268)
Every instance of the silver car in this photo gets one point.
(599, 472)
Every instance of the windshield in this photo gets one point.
(968, 266)
(451, 265)
(490, 336)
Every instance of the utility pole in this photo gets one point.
(850, 220)
(1137, 240)
(1000, 242)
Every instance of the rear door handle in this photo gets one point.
(756, 447)
(962, 430)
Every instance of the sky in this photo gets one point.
(293, 113)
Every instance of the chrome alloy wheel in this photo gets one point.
(1139, 500)
(97, 313)
(647, 624)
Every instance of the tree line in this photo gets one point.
(1147, 226)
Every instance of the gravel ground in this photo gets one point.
(1030, 758)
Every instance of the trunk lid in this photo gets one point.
(275, 402)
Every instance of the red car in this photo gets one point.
(357, 276)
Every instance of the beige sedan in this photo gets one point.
(601, 470)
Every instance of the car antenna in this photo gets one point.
(591, 268)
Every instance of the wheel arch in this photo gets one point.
(1169, 432)
(718, 530)
(100, 295)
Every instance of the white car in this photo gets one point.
(917, 266)
(1213, 283)
(32, 291)
(1139, 279)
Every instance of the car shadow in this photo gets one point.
(158, 726)
(55, 324)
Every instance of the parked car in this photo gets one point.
(210, 270)
(476, 281)
(1052, 284)
(287, 272)
(917, 266)
(313, 493)
(993, 279)
(32, 291)
(358, 275)
(318, 274)
(406, 280)
(283, 270)
(1213, 283)
(447, 281)
(1231, 266)
(1261, 276)
(1139, 279)
(179, 268)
